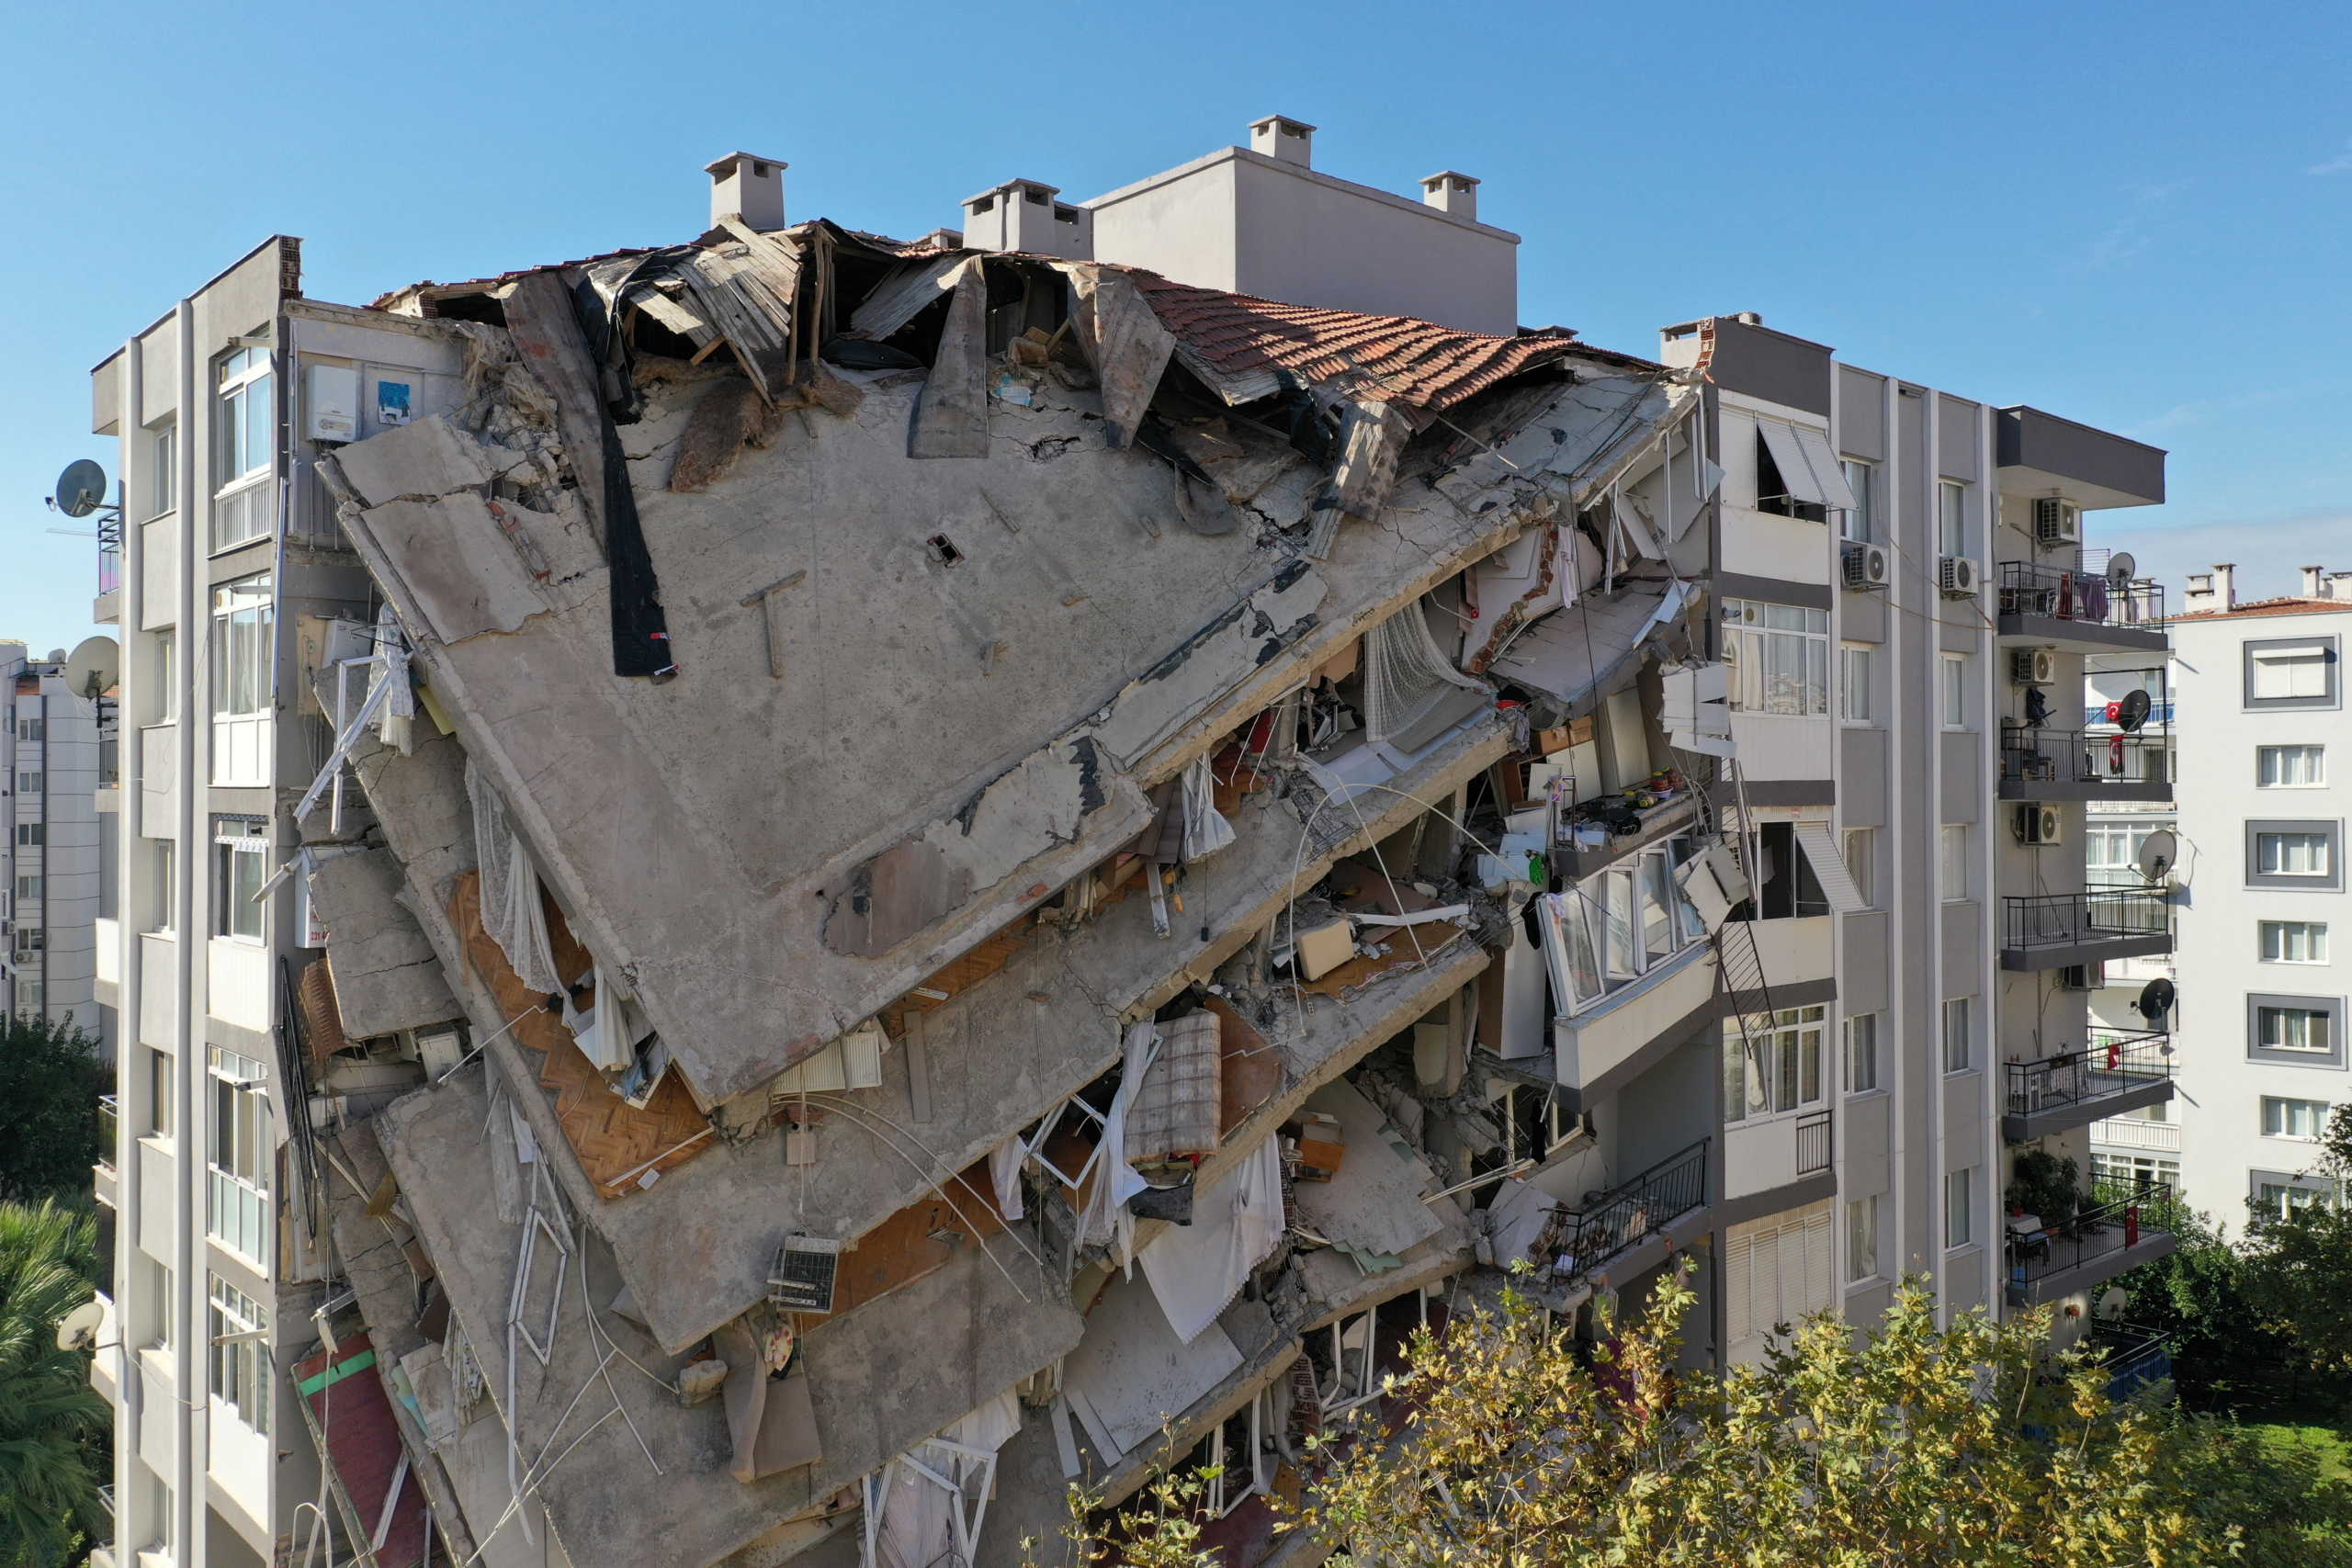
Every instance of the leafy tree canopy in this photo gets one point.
(49, 1085)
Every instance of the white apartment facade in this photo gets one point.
(55, 855)
(2263, 797)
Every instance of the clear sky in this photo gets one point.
(2134, 215)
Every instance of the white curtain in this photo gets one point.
(510, 888)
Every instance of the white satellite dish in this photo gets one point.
(2111, 1304)
(92, 667)
(2121, 569)
(78, 1329)
(2158, 851)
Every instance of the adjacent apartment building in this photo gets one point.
(57, 859)
(783, 891)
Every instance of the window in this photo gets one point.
(2281, 1200)
(1861, 1054)
(240, 1360)
(2290, 674)
(32, 939)
(1861, 851)
(30, 1001)
(159, 1093)
(1959, 1207)
(1959, 1044)
(2290, 767)
(28, 890)
(1779, 1270)
(1955, 865)
(1862, 1239)
(238, 1165)
(1784, 481)
(1953, 535)
(1773, 1071)
(157, 1278)
(162, 471)
(240, 865)
(242, 414)
(2294, 941)
(28, 783)
(2290, 855)
(1608, 931)
(1236, 1460)
(1854, 700)
(2304, 1119)
(242, 617)
(32, 833)
(2111, 854)
(2133, 1170)
(1779, 656)
(2293, 1029)
(28, 729)
(1787, 888)
(168, 885)
(166, 697)
(1955, 692)
(1862, 518)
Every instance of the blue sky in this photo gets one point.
(2134, 215)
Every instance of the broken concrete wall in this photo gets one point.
(387, 976)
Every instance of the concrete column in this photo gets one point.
(187, 1210)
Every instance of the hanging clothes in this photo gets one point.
(511, 911)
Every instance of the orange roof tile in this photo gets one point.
(2284, 604)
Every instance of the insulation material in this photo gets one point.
(1412, 694)
(1176, 1114)
(1197, 1269)
(511, 909)
(1373, 1201)
(854, 1061)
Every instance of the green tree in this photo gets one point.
(2296, 1267)
(49, 1085)
(53, 1425)
(1919, 1445)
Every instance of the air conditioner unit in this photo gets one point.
(2033, 667)
(2082, 976)
(1956, 575)
(2038, 825)
(2057, 522)
(1866, 566)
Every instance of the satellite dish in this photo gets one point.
(2155, 1001)
(78, 1329)
(2133, 711)
(2120, 569)
(2111, 1304)
(2158, 851)
(81, 489)
(95, 664)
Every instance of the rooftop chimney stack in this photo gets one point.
(2201, 590)
(2336, 587)
(1277, 136)
(747, 187)
(1455, 195)
(2225, 586)
(1024, 215)
(2314, 587)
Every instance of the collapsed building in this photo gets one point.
(891, 876)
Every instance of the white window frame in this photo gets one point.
(32, 834)
(2134, 1169)
(1862, 1240)
(243, 621)
(1959, 1208)
(1954, 689)
(1958, 1036)
(1858, 847)
(237, 1112)
(1608, 921)
(1795, 1057)
(1857, 670)
(2281, 760)
(2302, 670)
(2278, 1118)
(1957, 865)
(1862, 1033)
(238, 915)
(2296, 1029)
(162, 472)
(2277, 941)
(2319, 844)
(239, 1370)
(1859, 523)
(1223, 1492)
(1954, 530)
(29, 784)
(1759, 635)
(243, 412)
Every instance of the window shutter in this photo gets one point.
(1820, 1263)
(1736, 1262)
(1764, 1266)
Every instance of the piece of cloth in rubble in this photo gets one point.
(1205, 829)
(1179, 1112)
(1107, 1218)
(511, 912)
(771, 1421)
(914, 1522)
(1005, 1173)
(641, 628)
(395, 721)
(1408, 678)
(1195, 1270)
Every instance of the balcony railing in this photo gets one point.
(2133, 1132)
(2109, 1225)
(1813, 1143)
(2073, 920)
(1611, 1222)
(2087, 598)
(107, 1131)
(2114, 1063)
(2060, 756)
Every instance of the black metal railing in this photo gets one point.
(2070, 919)
(2108, 1227)
(1608, 1223)
(2060, 595)
(2065, 756)
(2133, 1357)
(2114, 1061)
(107, 1131)
(1813, 1143)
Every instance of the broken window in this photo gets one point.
(1786, 885)
(1536, 1123)
(1611, 930)
(1235, 1459)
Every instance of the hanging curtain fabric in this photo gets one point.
(1205, 829)
(1406, 675)
(1107, 1218)
(395, 719)
(510, 912)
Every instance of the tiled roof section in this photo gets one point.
(1415, 361)
(2285, 605)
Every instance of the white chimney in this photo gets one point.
(2336, 587)
(2225, 587)
(1453, 194)
(1278, 136)
(1022, 214)
(2201, 590)
(2313, 586)
(747, 188)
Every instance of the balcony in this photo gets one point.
(2058, 764)
(2080, 611)
(1619, 1235)
(2052, 931)
(1813, 1143)
(2118, 1072)
(2101, 1242)
(107, 1136)
(2133, 1132)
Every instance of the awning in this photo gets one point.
(1829, 868)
